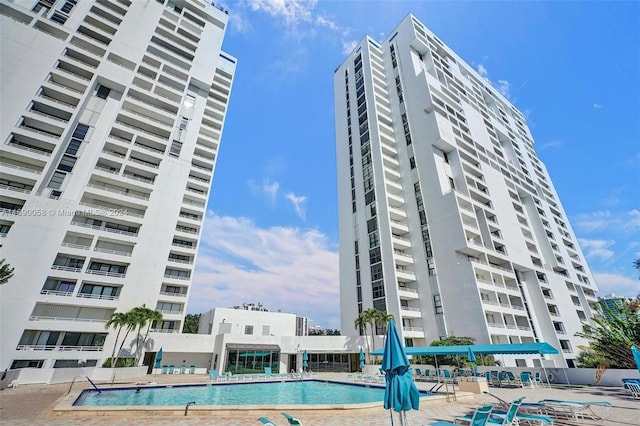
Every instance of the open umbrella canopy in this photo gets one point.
(636, 355)
(471, 357)
(361, 359)
(158, 358)
(401, 393)
(305, 359)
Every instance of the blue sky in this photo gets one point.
(573, 69)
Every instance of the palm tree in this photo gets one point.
(119, 320)
(143, 316)
(361, 323)
(370, 315)
(152, 316)
(382, 318)
(6, 271)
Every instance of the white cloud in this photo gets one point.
(552, 144)
(266, 188)
(285, 268)
(348, 46)
(298, 204)
(627, 222)
(503, 88)
(597, 106)
(597, 248)
(292, 12)
(483, 72)
(618, 284)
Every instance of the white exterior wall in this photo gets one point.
(152, 58)
(505, 262)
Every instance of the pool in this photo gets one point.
(307, 392)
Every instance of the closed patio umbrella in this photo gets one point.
(305, 360)
(636, 355)
(158, 359)
(157, 364)
(401, 393)
(361, 359)
(471, 357)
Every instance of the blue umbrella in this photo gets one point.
(361, 359)
(158, 358)
(636, 355)
(401, 393)
(305, 359)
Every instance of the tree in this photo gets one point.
(143, 316)
(382, 318)
(636, 264)
(370, 315)
(6, 271)
(120, 320)
(361, 323)
(333, 332)
(191, 323)
(447, 359)
(611, 336)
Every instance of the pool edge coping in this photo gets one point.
(65, 405)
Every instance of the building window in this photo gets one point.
(376, 272)
(67, 163)
(248, 329)
(380, 304)
(412, 162)
(377, 288)
(369, 197)
(103, 92)
(375, 256)
(56, 180)
(176, 147)
(59, 18)
(437, 304)
(374, 240)
(68, 5)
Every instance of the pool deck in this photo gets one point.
(34, 405)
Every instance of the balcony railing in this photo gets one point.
(97, 296)
(66, 268)
(106, 273)
(44, 318)
(57, 348)
(56, 292)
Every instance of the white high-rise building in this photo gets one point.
(111, 118)
(447, 218)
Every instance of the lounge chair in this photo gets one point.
(192, 369)
(511, 379)
(575, 410)
(626, 381)
(172, 369)
(634, 389)
(213, 375)
(537, 379)
(165, 369)
(507, 417)
(478, 418)
(419, 375)
(525, 379)
(183, 369)
(292, 420)
(266, 421)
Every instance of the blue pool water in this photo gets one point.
(307, 392)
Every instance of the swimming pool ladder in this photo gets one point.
(88, 379)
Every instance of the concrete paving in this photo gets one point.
(33, 405)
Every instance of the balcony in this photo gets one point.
(58, 348)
